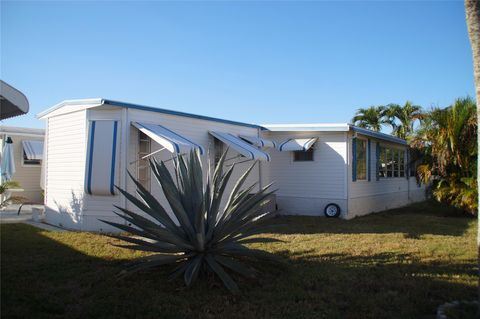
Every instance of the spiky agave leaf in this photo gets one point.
(198, 233)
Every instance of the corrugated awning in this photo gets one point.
(258, 141)
(242, 147)
(172, 141)
(12, 101)
(297, 144)
(33, 149)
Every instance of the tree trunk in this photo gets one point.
(472, 10)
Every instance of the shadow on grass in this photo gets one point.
(43, 278)
(429, 217)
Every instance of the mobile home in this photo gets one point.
(319, 169)
(27, 146)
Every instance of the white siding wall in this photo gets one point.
(101, 207)
(65, 169)
(305, 188)
(27, 175)
(194, 129)
(366, 197)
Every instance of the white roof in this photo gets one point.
(312, 127)
(297, 144)
(172, 141)
(11, 130)
(241, 146)
(325, 127)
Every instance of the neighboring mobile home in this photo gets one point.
(27, 146)
(91, 144)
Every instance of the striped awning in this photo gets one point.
(242, 147)
(33, 149)
(102, 154)
(172, 141)
(258, 141)
(297, 144)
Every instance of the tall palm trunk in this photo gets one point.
(472, 10)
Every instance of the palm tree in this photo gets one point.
(370, 118)
(447, 137)
(472, 10)
(402, 118)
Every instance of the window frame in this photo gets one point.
(311, 151)
(218, 149)
(398, 166)
(29, 163)
(365, 142)
(142, 137)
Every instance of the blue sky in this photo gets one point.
(256, 62)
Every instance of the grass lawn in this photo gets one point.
(398, 264)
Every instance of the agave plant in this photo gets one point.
(200, 235)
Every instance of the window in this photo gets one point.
(303, 156)
(143, 166)
(33, 162)
(382, 163)
(361, 159)
(218, 150)
(395, 163)
(401, 161)
(391, 162)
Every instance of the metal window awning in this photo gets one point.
(12, 101)
(170, 140)
(258, 141)
(33, 149)
(242, 147)
(297, 144)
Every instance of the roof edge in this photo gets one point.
(379, 135)
(92, 101)
(20, 130)
(322, 127)
(178, 113)
(101, 101)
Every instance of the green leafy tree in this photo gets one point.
(402, 118)
(200, 236)
(369, 118)
(448, 138)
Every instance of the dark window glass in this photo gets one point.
(218, 150)
(303, 156)
(395, 162)
(389, 156)
(382, 165)
(401, 164)
(27, 161)
(143, 166)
